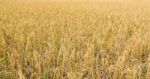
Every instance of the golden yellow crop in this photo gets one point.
(74, 39)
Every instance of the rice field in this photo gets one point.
(74, 39)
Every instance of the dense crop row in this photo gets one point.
(74, 40)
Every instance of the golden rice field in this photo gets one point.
(74, 39)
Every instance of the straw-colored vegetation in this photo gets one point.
(105, 39)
